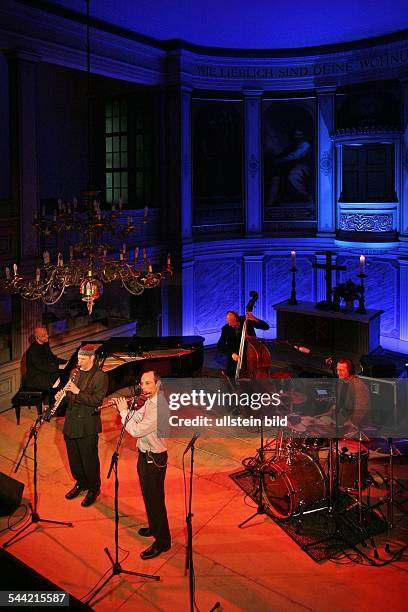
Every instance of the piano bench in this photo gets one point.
(27, 397)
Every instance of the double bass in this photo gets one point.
(254, 357)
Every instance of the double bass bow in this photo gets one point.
(254, 357)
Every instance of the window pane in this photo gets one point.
(108, 145)
(123, 124)
(116, 141)
(115, 125)
(108, 180)
(123, 143)
(109, 160)
(123, 160)
(108, 125)
(116, 160)
(124, 179)
(109, 195)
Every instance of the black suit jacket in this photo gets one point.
(82, 417)
(41, 367)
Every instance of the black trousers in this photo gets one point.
(151, 478)
(84, 461)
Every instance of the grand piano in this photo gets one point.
(125, 359)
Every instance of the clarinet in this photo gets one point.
(50, 413)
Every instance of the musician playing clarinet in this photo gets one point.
(230, 338)
(84, 393)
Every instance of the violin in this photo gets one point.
(254, 357)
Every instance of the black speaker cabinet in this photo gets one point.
(11, 492)
(376, 366)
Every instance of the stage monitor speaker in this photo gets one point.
(11, 492)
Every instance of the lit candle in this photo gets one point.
(60, 260)
(46, 257)
(124, 248)
(168, 260)
(71, 252)
(293, 254)
(362, 262)
(105, 251)
(15, 269)
(146, 209)
(37, 275)
(144, 255)
(150, 269)
(136, 253)
(8, 273)
(121, 255)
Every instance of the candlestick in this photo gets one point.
(71, 252)
(362, 262)
(293, 254)
(15, 269)
(46, 257)
(136, 254)
(361, 299)
(150, 269)
(37, 275)
(8, 273)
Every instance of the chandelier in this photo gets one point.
(88, 265)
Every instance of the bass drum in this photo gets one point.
(291, 484)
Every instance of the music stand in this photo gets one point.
(116, 566)
(35, 517)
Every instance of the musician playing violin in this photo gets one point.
(230, 338)
(151, 463)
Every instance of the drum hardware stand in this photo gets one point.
(261, 506)
(116, 566)
(35, 518)
(364, 510)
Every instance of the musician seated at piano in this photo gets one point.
(352, 398)
(151, 463)
(83, 395)
(230, 338)
(42, 367)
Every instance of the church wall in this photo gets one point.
(5, 187)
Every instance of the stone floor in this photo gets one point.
(255, 568)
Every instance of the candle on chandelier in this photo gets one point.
(105, 251)
(146, 210)
(362, 263)
(136, 253)
(71, 252)
(7, 273)
(150, 269)
(37, 275)
(15, 269)
(124, 248)
(293, 255)
(46, 257)
(144, 255)
(168, 260)
(60, 260)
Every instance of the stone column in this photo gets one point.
(253, 281)
(186, 166)
(188, 298)
(26, 316)
(326, 208)
(404, 163)
(253, 156)
(403, 302)
(24, 152)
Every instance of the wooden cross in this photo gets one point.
(329, 268)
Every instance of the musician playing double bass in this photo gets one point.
(230, 339)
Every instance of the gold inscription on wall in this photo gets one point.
(386, 60)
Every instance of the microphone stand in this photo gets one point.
(116, 566)
(189, 521)
(35, 517)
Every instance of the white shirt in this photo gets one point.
(143, 426)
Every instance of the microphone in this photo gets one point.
(192, 442)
